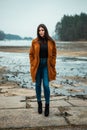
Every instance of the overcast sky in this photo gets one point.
(23, 16)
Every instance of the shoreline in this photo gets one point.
(64, 48)
(23, 49)
(11, 88)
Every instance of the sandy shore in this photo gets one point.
(81, 53)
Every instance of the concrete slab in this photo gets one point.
(21, 118)
(12, 102)
(73, 98)
(59, 103)
(18, 91)
(78, 115)
(52, 103)
(78, 102)
(52, 98)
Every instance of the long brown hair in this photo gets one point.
(47, 37)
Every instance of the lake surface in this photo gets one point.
(18, 69)
(16, 43)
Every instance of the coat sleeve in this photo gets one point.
(31, 54)
(54, 53)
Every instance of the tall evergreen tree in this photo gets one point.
(72, 27)
(2, 35)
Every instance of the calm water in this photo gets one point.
(16, 43)
(18, 69)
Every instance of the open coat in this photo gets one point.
(34, 59)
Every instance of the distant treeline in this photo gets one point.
(4, 36)
(72, 28)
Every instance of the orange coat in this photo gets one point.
(34, 59)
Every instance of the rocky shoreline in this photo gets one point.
(13, 88)
(73, 83)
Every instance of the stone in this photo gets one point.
(78, 102)
(21, 92)
(52, 98)
(79, 115)
(12, 102)
(21, 118)
(52, 103)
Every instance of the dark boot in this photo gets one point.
(39, 107)
(46, 112)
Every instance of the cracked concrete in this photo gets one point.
(18, 112)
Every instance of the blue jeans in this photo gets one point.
(42, 73)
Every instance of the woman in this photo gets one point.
(42, 65)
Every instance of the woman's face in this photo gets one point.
(41, 32)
